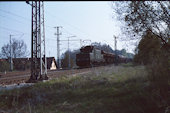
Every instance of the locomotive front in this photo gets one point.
(83, 58)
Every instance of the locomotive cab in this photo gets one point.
(83, 58)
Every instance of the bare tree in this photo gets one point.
(19, 49)
(140, 16)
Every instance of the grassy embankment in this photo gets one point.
(120, 89)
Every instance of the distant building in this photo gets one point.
(51, 63)
(21, 63)
(25, 63)
(4, 65)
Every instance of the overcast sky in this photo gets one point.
(86, 20)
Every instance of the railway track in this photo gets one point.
(17, 78)
(21, 77)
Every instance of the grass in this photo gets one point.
(113, 89)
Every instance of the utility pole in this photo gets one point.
(69, 52)
(80, 43)
(58, 46)
(116, 62)
(38, 65)
(44, 61)
(11, 62)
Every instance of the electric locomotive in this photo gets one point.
(90, 56)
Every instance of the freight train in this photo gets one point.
(90, 56)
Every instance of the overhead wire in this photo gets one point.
(30, 20)
(69, 24)
(19, 17)
(12, 19)
(45, 25)
(14, 14)
(48, 25)
(12, 30)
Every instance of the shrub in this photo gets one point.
(159, 74)
(4, 66)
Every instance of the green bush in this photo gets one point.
(4, 66)
(156, 57)
(159, 75)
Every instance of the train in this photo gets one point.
(90, 56)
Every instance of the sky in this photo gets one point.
(88, 21)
